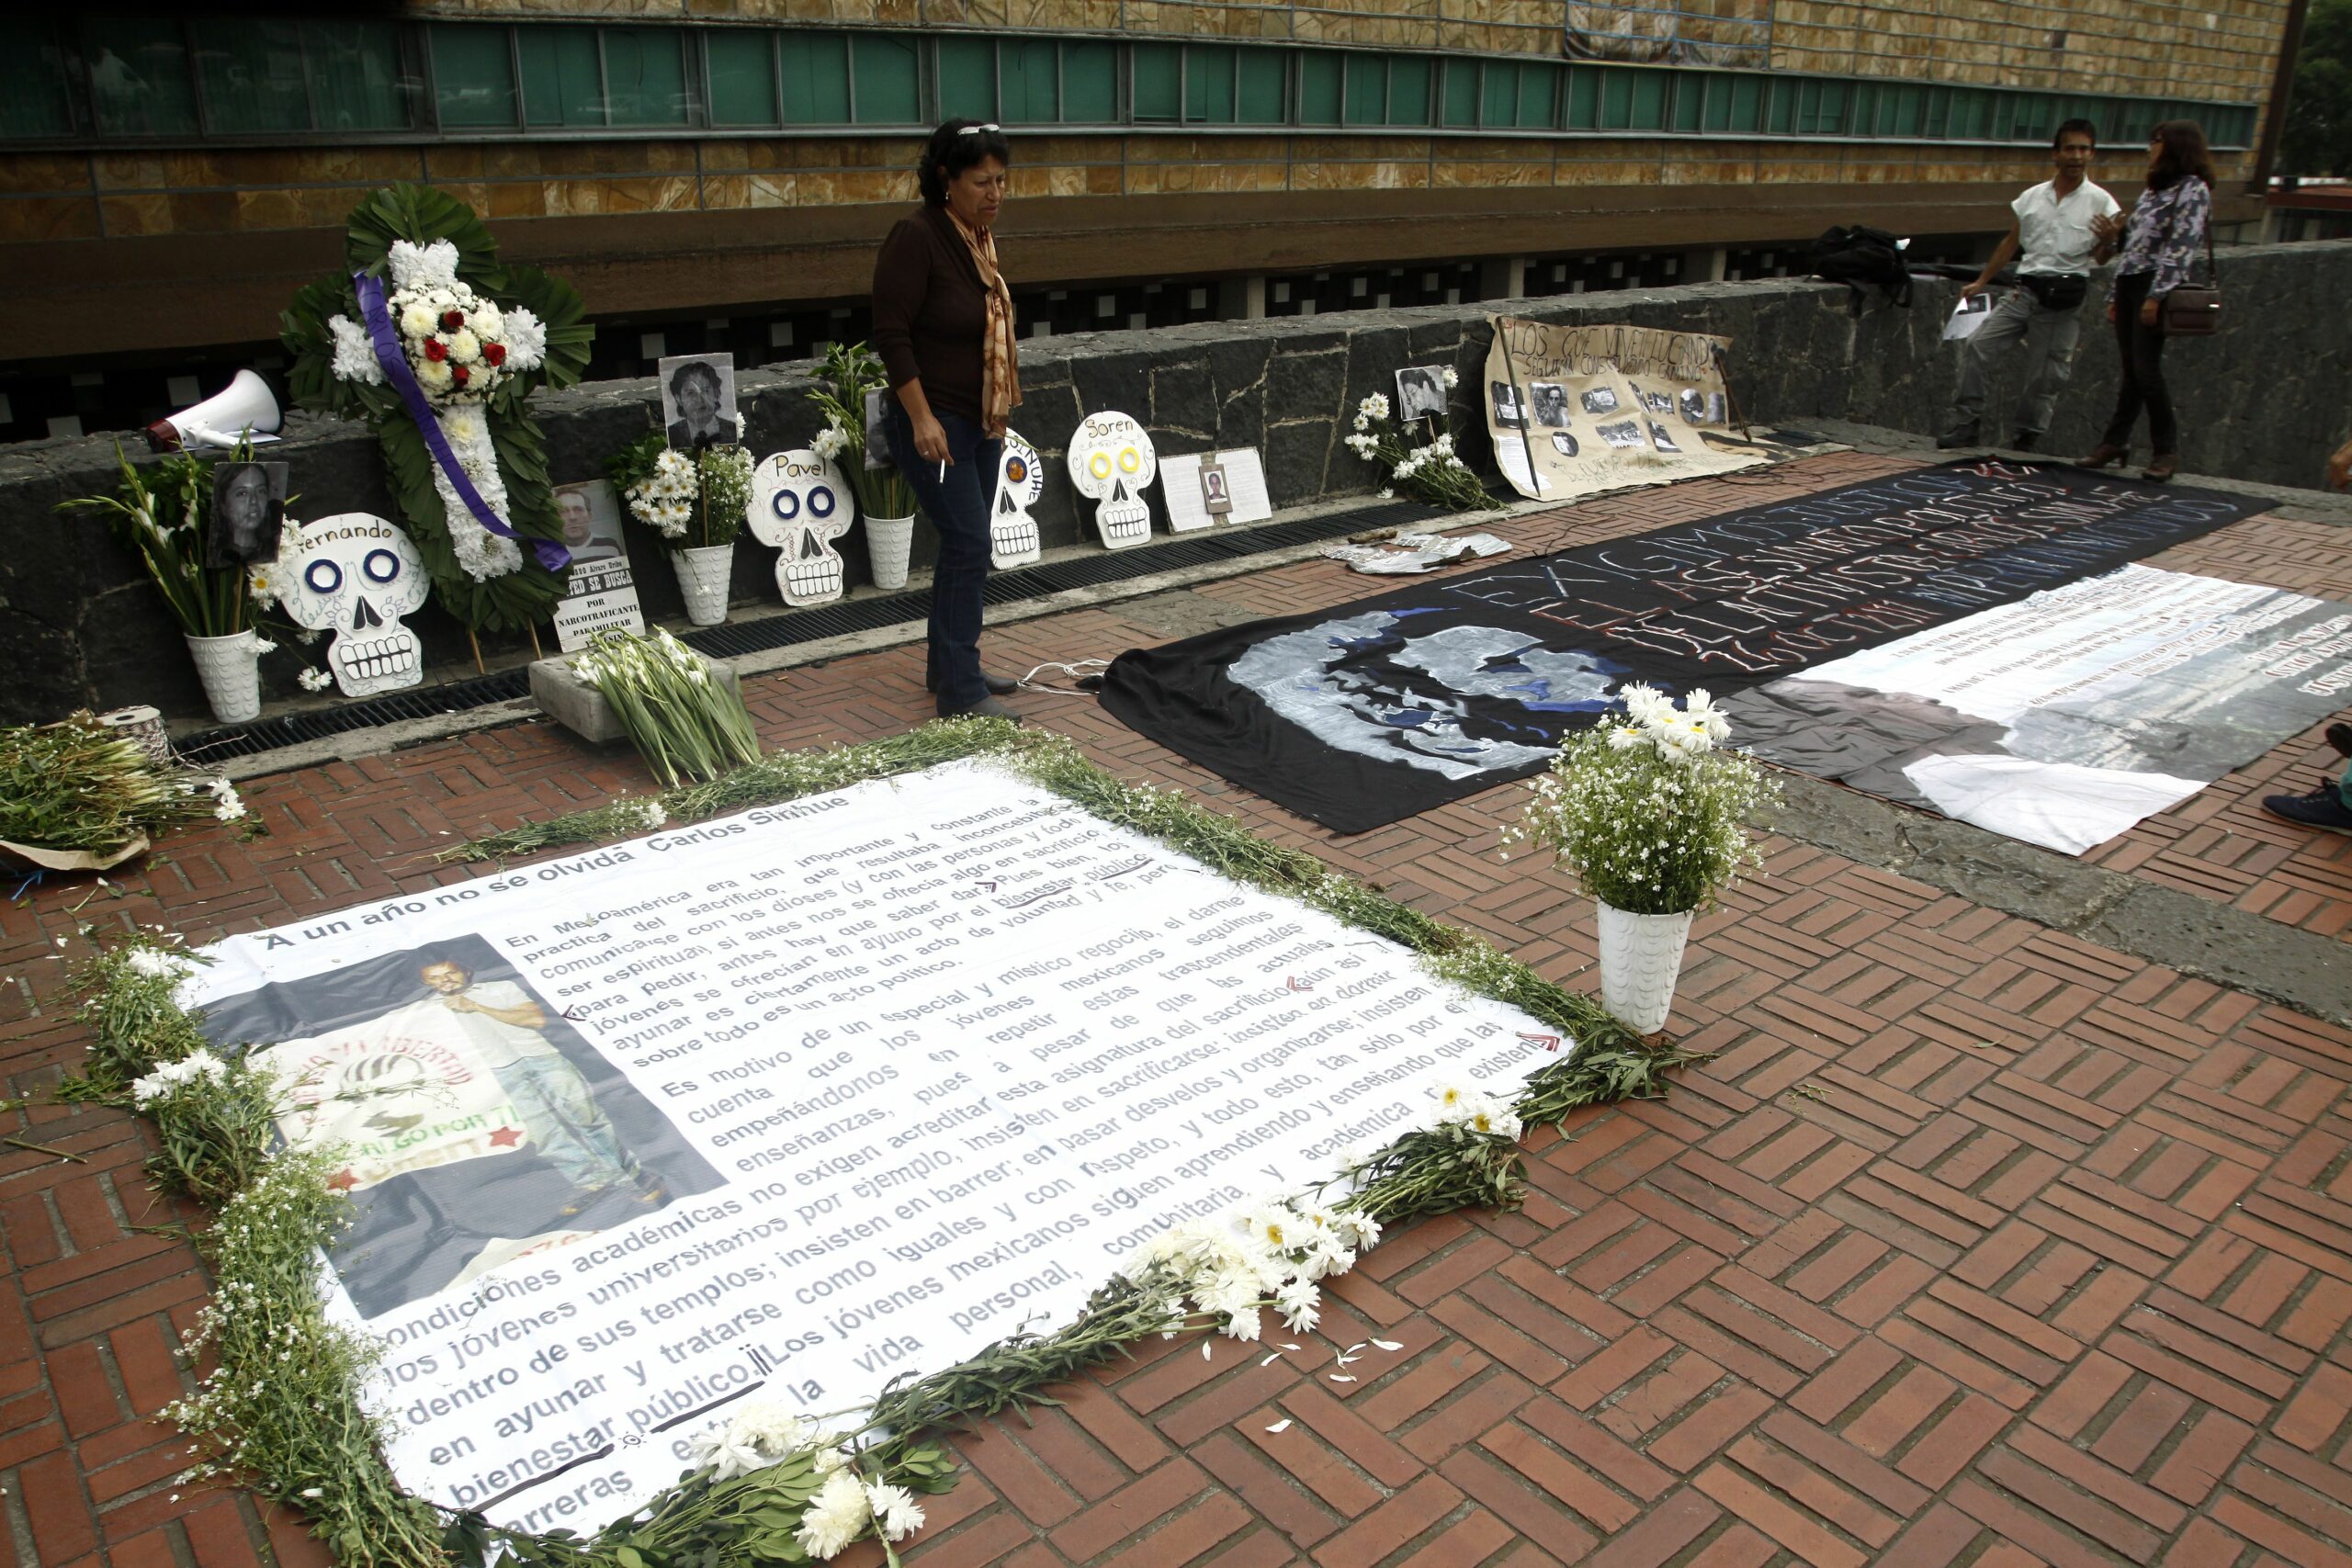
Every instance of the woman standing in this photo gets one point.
(943, 324)
(2167, 230)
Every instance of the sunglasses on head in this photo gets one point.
(976, 130)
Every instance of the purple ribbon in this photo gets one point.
(376, 311)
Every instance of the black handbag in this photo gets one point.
(2191, 312)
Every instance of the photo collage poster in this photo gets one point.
(1576, 409)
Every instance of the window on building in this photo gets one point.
(359, 81)
(967, 78)
(1028, 82)
(34, 101)
(816, 78)
(1091, 83)
(473, 76)
(740, 76)
(250, 71)
(562, 84)
(1156, 83)
(1209, 94)
(645, 75)
(138, 76)
(1322, 87)
(886, 75)
(1262, 77)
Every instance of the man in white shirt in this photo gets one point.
(555, 1104)
(2065, 226)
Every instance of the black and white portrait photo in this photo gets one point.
(1420, 393)
(699, 401)
(592, 521)
(248, 509)
(1550, 401)
(1506, 410)
(1600, 400)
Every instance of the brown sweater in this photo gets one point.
(929, 311)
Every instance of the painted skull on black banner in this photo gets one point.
(356, 575)
(1458, 700)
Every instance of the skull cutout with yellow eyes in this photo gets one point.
(801, 504)
(1020, 481)
(355, 575)
(1111, 462)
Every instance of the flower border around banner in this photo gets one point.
(473, 452)
(279, 1408)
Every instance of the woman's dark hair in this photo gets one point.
(2184, 154)
(693, 370)
(958, 146)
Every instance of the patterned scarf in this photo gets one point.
(1000, 360)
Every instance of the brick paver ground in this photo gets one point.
(1974, 1246)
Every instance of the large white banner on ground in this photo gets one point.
(2069, 715)
(800, 1099)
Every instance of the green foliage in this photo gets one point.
(422, 215)
(680, 719)
(79, 786)
(850, 371)
(163, 514)
(2316, 138)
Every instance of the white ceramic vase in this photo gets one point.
(229, 668)
(888, 542)
(704, 572)
(1641, 957)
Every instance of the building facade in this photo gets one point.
(713, 173)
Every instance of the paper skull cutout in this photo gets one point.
(800, 504)
(1111, 462)
(355, 575)
(1020, 481)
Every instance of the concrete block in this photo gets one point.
(579, 707)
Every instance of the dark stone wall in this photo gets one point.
(2265, 399)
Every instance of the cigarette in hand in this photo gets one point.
(943, 470)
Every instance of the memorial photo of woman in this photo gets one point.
(2161, 241)
(943, 326)
(248, 511)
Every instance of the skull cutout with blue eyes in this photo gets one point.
(1111, 462)
(356, 575)
(1020, 481)
(801, 504)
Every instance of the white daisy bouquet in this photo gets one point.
(1429, 471)
(690, 499)
(1649, 809)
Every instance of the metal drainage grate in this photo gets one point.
(734, 640)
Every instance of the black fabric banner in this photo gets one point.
(1360, 715)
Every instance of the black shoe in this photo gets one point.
(1958, 435)
(987, 707)
(2340, 737)
(2322, 808)
(998, 685)
(2024, 440)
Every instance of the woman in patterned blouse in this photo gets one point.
(2167, 230)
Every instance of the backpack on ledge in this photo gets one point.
(1862, 258)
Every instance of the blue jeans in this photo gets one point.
(958, 509)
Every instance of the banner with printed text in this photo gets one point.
(801, 1100)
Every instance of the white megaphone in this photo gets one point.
(246, 406)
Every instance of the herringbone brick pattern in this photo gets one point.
(1974, 1247)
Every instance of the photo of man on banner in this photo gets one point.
(472, 1123)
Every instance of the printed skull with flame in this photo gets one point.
(801, 504)
(356, 575)
(1020, 482)
(1111, 462)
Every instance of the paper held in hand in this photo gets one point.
(1967, 316)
